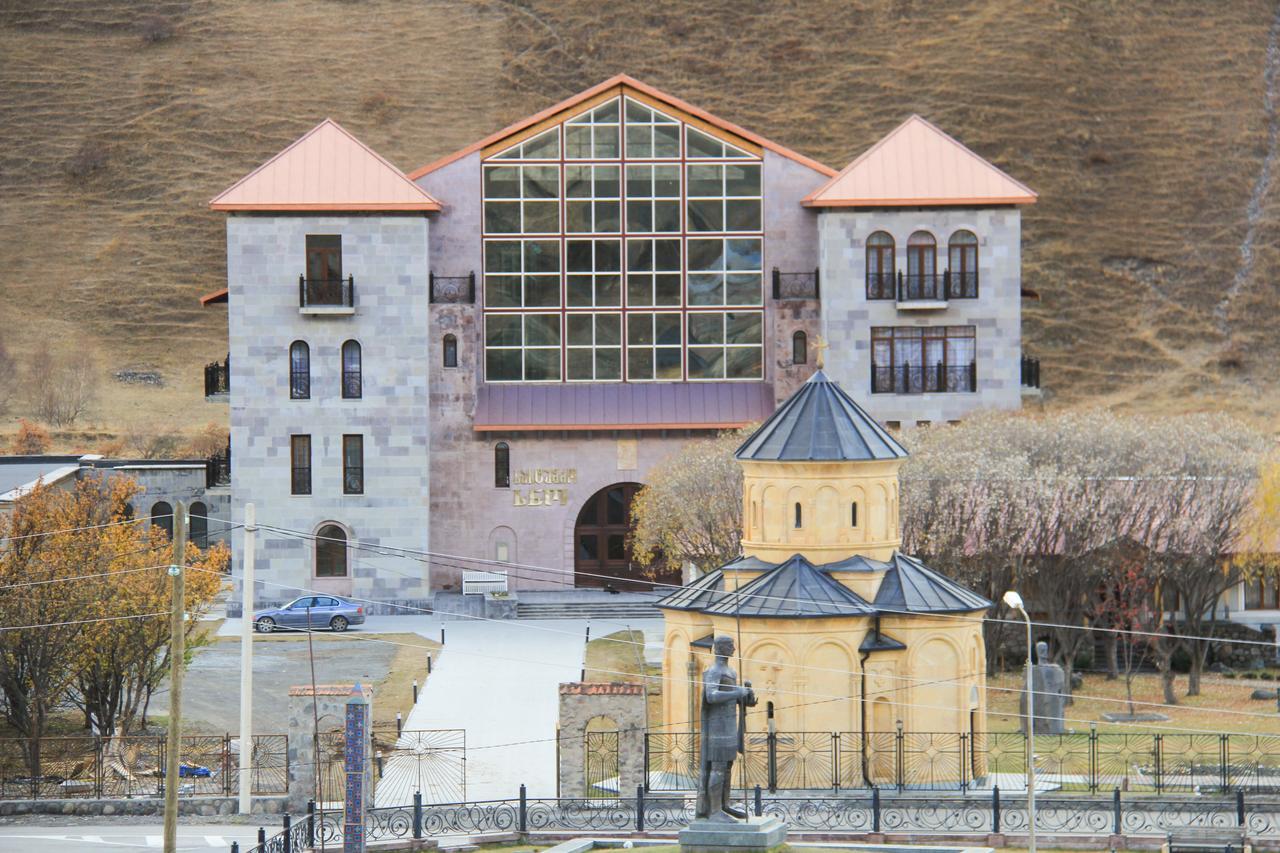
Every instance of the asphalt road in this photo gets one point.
(72, 839)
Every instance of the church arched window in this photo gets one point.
(799, 516)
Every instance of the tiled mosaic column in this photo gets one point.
(356, 750)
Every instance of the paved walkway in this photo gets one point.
(499, 681)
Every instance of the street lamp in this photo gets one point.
(1014, 602)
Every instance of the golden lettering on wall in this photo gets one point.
(538, 476)
(539, 497)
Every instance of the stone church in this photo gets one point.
(837, 630)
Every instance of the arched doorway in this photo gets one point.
(602, 556)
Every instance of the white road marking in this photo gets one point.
(92, 839)
(216, 841)
(155, 840)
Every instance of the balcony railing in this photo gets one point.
(1030, 372)
(217, 377)
(458, 289)
(935, 378)
(881, 285)
(217, 469)
(326, 292)
(922, 287)
(795, 285)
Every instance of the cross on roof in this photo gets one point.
(820, 345)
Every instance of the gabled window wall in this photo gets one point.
(623, 245)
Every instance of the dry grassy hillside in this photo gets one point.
(1146, 126)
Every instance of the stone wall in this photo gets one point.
(387, 255)
(328, 705)
(187, 806)
(847, 314)
(624, 706)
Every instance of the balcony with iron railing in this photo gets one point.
(917, 379)
(795, 285)
(457, 289)
(217, 378)
(217, 468)
(917, 291)
(327, 295)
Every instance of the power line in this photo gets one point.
(4, 539)
(647, 677)
(84, 621)
(772, 663)
(441, 559)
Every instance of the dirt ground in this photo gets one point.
(212, 685)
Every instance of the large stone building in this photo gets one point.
(837, 631)
(482, 360)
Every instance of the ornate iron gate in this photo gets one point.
(602, 778)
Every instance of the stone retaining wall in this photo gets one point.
(203, 806)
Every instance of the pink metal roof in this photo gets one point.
(326, 169)
(622, 405)
(918, 164)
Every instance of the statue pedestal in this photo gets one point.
(757, 835)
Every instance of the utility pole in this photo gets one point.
(246, 664)
(177, 650)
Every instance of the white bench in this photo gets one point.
(478, 583)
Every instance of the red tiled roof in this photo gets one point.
(622, 405)
(615, 688)
(325, 690)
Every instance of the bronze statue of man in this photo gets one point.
(724, 706)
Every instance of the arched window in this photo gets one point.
(880, 266)
(198, 518)
(799, 348)
(352, 381)
(853, 514)
(502, 465)
(331, 552)
(964, 265)
(922, 266)
(450, 351)
(799, 517)
(162, 517)
(299, 371)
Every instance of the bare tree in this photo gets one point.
(61, 390)
(9, 379)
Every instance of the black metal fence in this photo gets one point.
(952, 815)
(459, 289)
(326, 292)
(795, 285)
(1030, 372)
(922, 287)
(217, 377)
(1087, 762)
(133, 766)
(217, 468)
(917, 379)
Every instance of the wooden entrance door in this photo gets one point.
(602, 557)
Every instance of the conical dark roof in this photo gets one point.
(820, 422)
(795, 589)
(697, 595)
(912, 587)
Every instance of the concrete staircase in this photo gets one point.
(587, 604)
(619, 611)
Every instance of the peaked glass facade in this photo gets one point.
(623, 244)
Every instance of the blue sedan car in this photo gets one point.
(310, 611)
